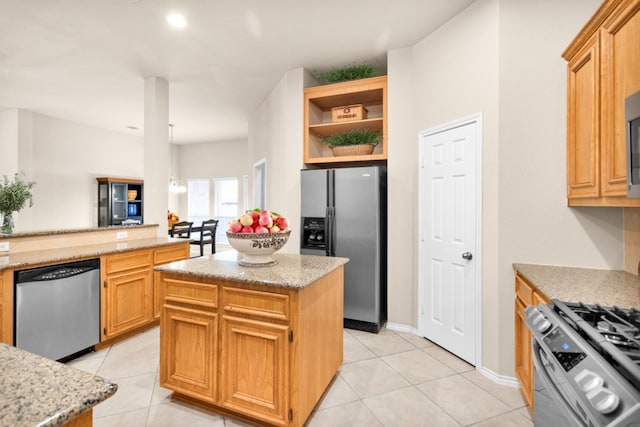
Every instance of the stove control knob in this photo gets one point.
(603, 400)
(588, 381)
(537, 320)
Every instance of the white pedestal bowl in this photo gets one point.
(257, 248)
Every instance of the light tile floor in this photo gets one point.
(388, 379)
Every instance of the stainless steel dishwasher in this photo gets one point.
(57, 309)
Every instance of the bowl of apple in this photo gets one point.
(257, 234)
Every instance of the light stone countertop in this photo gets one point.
(35, 391)
(291, 271)
(70, 253)
(41, 233)
(586, 285)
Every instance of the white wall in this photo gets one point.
(451, 74)
(536, 226)
(275, 134)
(500, 58)
(8, 142)
(67, 158)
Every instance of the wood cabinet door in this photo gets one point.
(254, 369)
(621, 78)
(157, 298)
(583, 122)
(523, 360)
(188, 346)
(128, 301)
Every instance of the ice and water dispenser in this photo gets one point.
(313, 234)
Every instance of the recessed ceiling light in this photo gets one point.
(176, 20)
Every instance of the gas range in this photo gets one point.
(589, 356)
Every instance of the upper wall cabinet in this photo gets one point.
(320, 120)
(603, 69)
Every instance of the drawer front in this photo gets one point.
(170, 253)
(266, 305)
(524, 291)
(192, 293)
(540, 298)
(127, 261)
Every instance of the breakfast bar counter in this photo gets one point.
(258, 343)
(35, 391)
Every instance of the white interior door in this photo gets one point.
(448, 242)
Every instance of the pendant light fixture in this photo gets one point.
(174, 187)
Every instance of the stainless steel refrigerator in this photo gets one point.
(344, 213)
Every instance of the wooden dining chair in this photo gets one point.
(207, 236)
(181, 229)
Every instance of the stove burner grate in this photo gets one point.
(612, 331)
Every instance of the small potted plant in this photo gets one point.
(352, 143)
(350, 72)
(13, 197)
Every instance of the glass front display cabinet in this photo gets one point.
(120, 201)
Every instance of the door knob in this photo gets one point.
(467, 256)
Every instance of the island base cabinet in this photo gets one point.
(254, 369)
(277, 348)
(189, 337)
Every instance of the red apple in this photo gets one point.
(265, 220)
(247, 229)
(255, 217)
(235, 226)
(261, 229)
(282, 222)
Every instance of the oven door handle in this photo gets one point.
(549, 385)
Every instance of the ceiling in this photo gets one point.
(86, 60)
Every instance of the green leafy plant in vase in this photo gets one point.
(14, 195)
(354, 142)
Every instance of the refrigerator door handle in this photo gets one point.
(330, 231)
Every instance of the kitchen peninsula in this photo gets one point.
(127, 255)
(261, 343)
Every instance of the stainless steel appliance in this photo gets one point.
(344, 213)
(57, 309)
(587, 364)
(632, 118)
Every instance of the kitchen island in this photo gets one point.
(259, 343)
(38, 391)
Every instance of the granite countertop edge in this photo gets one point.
(581, 284)
(18, 260)
(43, 392)
(293, 271)
(82, 406)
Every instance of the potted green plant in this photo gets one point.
(354, 142)
(13, 197)
(349, 72)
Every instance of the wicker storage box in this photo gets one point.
(352, 150)
(348, 113)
